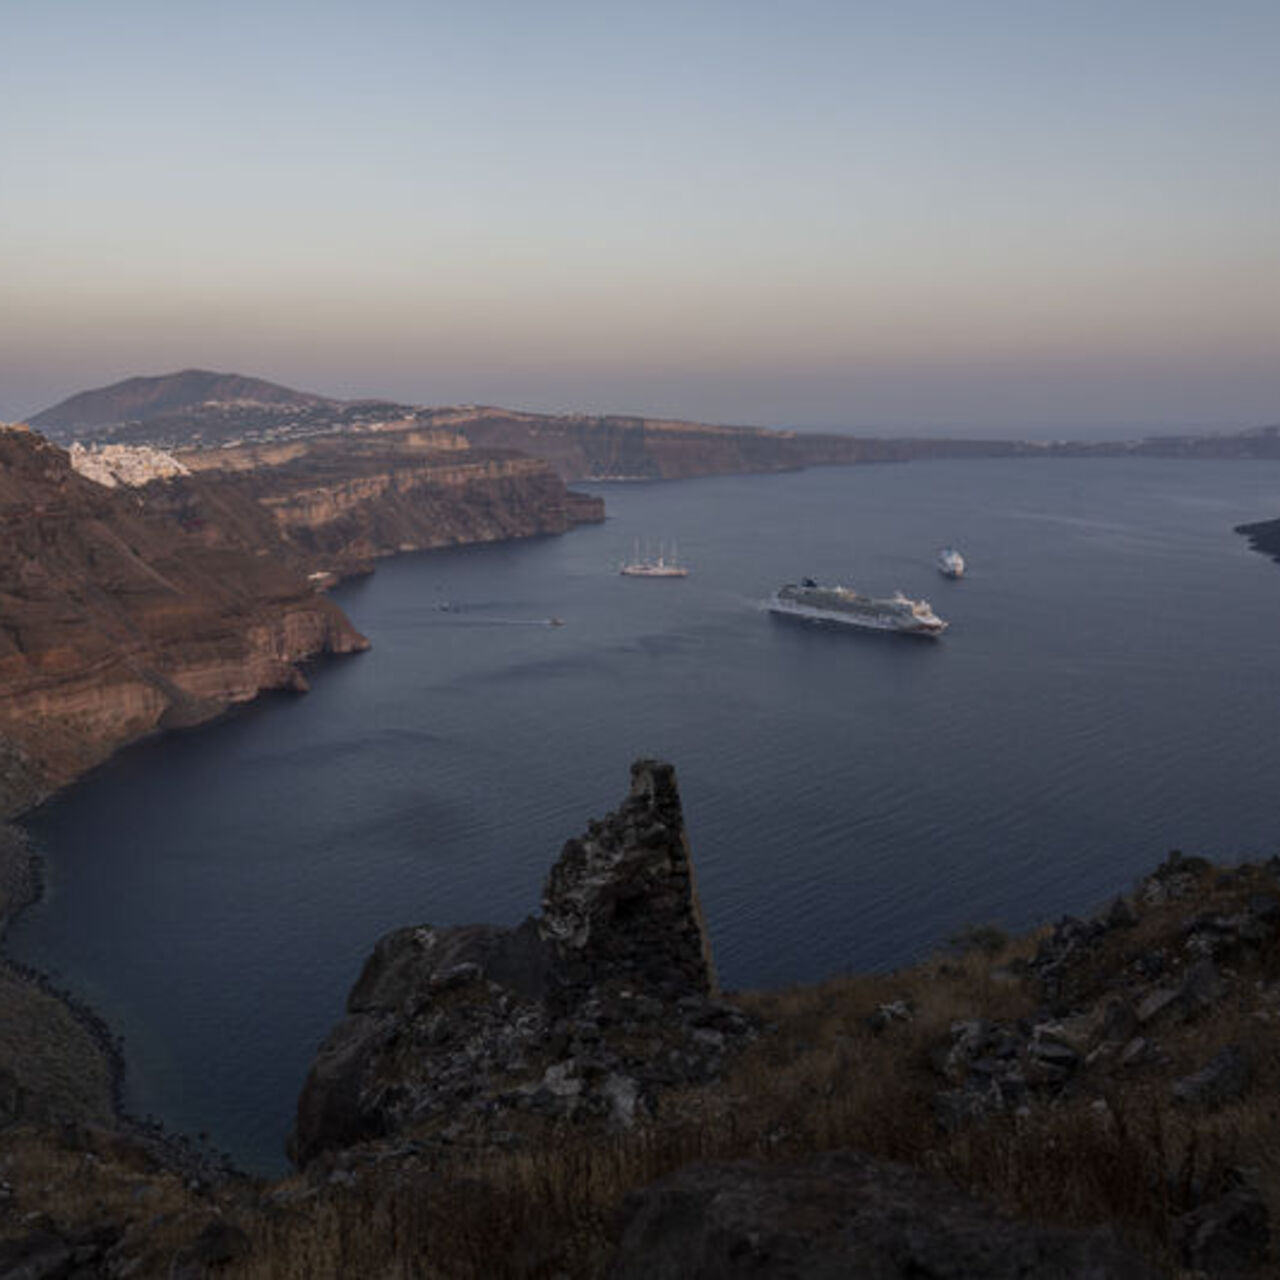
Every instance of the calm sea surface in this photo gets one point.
(1109, 689)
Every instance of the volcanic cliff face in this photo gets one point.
(116, 621)
(337, 503)
(583, 446)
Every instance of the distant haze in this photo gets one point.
(988, 217)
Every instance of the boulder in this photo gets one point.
(1224, 1078)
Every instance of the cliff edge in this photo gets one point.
(115, 622)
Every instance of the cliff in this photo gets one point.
(115, 621)
(335, 504)
(140, 606)
(582, 446)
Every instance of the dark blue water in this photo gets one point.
(1109, 689)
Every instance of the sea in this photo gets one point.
(1108, 689)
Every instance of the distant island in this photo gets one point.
(198, 409)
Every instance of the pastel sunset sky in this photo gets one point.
(1003, 215)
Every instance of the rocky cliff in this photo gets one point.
(116, 621)
(338, 503)
(127, 609)
(612, 446)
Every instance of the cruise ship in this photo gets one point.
(844, 607)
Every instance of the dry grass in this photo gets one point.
(823, 1079)
(1115, 1151)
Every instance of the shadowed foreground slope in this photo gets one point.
(573, 1098)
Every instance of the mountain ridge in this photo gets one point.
(141, 398)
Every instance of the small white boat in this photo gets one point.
(650, 566)
(950, 563)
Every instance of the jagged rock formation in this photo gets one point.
(840, 1215)
(114, 622)
(1264, 536)
(583, 1013)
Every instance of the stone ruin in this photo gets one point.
(582, 1014)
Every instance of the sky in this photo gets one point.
(1000, 215)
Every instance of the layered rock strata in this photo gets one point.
(582, 1013)
(338, 503)
(116, 621)
(613, 446)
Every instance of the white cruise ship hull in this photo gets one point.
(862, 618)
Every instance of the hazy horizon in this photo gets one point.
(979, 218)
(971, 430)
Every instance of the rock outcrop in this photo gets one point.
(581, 1014)
(844, 1214)
(1103, 1018)
(115, 622)
(1264, 536)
